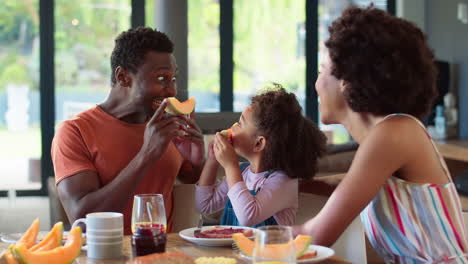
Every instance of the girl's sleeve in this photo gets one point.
(277, 193)
(209, 199)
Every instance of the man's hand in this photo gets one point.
(224, 152)
(191, 145)
(160, 131)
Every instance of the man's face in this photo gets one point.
(154, 80)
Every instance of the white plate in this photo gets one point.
(12, 238)
(322, 253)
(187, 234)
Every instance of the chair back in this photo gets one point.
(57, 213)
(351, 245)
(185, 213)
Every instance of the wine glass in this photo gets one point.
(148, 224)
(274, 245)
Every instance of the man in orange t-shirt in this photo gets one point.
(128, 145)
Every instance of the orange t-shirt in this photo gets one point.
(96, 141)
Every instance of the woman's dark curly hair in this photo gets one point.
(385, 62)
(294, 143)
(132, 45)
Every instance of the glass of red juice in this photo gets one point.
(148, 239)
(148, 224)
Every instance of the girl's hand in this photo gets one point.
(211, 159)
(224, 152)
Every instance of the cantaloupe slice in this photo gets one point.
(52, 240)
(246, 246)
(228, 133)
(59, 255)
(28, 240)
(180, 108)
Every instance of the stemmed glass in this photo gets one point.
(274, 245)
(148, 224)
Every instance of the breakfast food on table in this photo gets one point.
(310, 253)
(246, 246)
(215, 260)
(222, 232)
(176, 107)
(163, 258)
(58, 255)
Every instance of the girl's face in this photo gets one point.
(330, 91)
(244, 134)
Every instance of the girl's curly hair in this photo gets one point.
(294, 142)
(385, 62)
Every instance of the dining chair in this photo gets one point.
(57, 213)
(351, 245)
(185, 213)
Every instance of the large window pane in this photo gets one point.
(328, 12)
(203, 54)
(268, 47)
(20, 134)
(84, 39)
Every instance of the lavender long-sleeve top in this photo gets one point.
(277, 197)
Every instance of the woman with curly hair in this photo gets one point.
(280, 145)
(378, 80)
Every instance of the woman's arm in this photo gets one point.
(384, 151)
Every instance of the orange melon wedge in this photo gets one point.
(28, 240)
(246, 246)
(228, 133)
(59, 255)
(180, 108)
(52, 240)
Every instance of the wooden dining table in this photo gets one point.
(175, 244)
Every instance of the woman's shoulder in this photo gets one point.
(398, 127)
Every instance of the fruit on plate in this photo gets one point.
(222, 232)
(180, 108)
(59, 255)
(246, 246)
(52, 240)
(28, 239)
(163, 258)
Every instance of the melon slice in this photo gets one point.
(28, 240)
(228, 133)
(52, 240)
(30, 236)
(59, 255)
(180, 108)
(246, 246)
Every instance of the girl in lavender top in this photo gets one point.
(280, 145)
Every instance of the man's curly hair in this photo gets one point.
(294, 142)
(131, 47)
(385, 62)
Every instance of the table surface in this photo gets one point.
(175, 244)
(456, 149)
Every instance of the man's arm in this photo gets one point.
(82, 193)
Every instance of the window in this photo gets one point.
(203, 54)
(268, 47)
(84, 39)
(20, 131)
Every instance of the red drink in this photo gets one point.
(148, 239)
